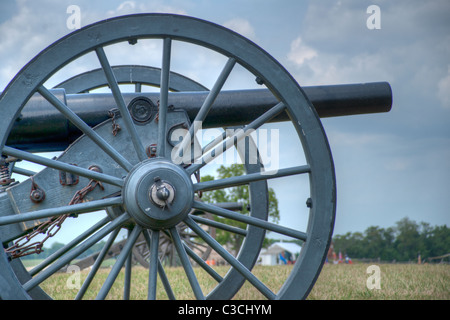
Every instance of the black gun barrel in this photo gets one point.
(41, 127)
(241, 107)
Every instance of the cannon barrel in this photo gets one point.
(42, 128)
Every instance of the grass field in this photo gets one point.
(397, 282)
(336, 282)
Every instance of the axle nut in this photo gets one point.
(37, 195)
(162, 193)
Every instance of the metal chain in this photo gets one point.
(113, 114)
(5, 171)
(157, 113)
(22, 247)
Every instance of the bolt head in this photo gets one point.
(6, 181)
(163, 193)
(37, 195)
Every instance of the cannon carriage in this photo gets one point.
(136, 156)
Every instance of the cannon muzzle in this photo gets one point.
(41, 127)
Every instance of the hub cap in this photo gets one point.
(151, 197)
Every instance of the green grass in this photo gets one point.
(397, 282)
(336, 282)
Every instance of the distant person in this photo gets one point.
(282, 258)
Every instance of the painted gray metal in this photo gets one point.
(128, 176)
(248, 55)
(128, 74)
(258, 190)
(143, 208)
(42, 128)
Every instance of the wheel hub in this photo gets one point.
(151, 196)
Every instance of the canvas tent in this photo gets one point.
(279, 252)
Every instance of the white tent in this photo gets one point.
(271, 256)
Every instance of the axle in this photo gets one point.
(41, 127)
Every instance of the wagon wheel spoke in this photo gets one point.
(69, 246)
(54, 212)
(252, 221)
(203, 264)
(230, 259)
(59, 165)
(42, 276)
(24, 172)
(153, 268)
(219, 225)
(88, 131)
(121, 103)
(128, 267)
(123, 256)
(221, 146)
(138, 87)
(164, 95)
(160, 271)
(245, 179)
(97, 264)
(207, 104)
(166, 251)
(186, 264)
(194, 245)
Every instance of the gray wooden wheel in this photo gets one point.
(137, 75)
(150, 76)
(135, 175)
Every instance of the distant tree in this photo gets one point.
(373, 241)
(401, 243)
(389, 252)
(56, 246)
(350, 243)
(437, 241)
(407, 242)
(50, 250)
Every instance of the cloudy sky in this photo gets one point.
(388, 166)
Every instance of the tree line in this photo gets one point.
(403, 242)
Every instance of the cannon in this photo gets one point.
(136, 156)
